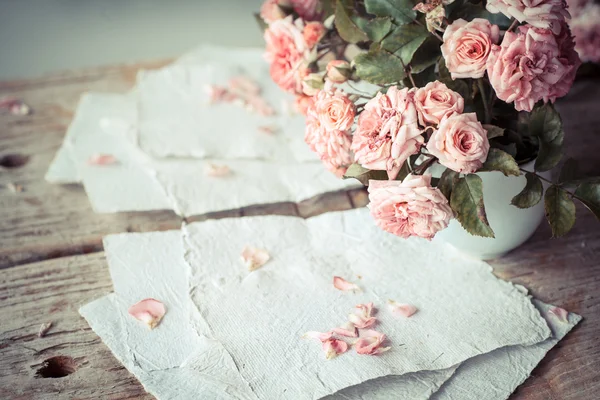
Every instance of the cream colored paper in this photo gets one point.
(260, 316)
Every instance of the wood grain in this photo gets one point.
(53, 223)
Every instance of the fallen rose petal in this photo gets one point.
(102, 159)
(254, 258)
(321, 336)
(13, 187)
(15, 106)
(149, 311)
(219, 94)
(401, 309)
(560, 313)
(370, 344)
(342, 284)
(348, 329)
(268, 129)
(362, 322)
(244, 85)
(259, 105)
(44, 328)
(216, 171)
(333, 347)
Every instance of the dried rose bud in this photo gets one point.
(338, 71)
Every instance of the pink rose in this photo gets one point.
(586, 29)
(338, 71)
(302, 103)
(525, 66)
(544, 14)
(569, 58)
(467, 46)
(333, 109)
(460, 143)
(308, 10)
(409, 208)
(435, 102)
(271, 10)
(287, 52)
(388, 132)
(313, 32)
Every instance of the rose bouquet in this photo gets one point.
(413, 99)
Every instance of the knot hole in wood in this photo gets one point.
(56, 367)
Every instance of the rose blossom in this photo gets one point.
(460, 143)
(338, 71)
(409, 208)
(271, 10)
(302, 103)
(545, 14)
(388, 132)
(525, 66)
(287, 52)
(569, 58)
(308, 10)
(467, 45)
(435, 101)
(313, 32)
(334, 109)
(586, 29)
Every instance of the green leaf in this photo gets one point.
(569, 171)
(467, 202)
(401, 10)
(469, 10)
(493, 131)
(498, 160)
(363, 175)
(261, 22)
(344, 24)
(422, 78)
(379, 67)
(545, 123)
(429, 53)
(589, 195)
(560, 210)
(404, 41)
(531, 193)
(376, 28)
(549, 155)
(447, 181)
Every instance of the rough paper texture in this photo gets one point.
(464, 310)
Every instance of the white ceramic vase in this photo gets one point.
(512, 226)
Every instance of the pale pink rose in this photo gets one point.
(467, 46)
(525, 66)
(287, 52)
(271, 10)
(569, 58)
(303, 103)
(313, 32)
(308, 10)
(586, 29)
(545, 14)
(338, 71)
(435, 102)
(334, 109)
(388, 132)
(460, 143)
(409, 208)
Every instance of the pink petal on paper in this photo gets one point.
(370, 344)
(245, 85)
(254, 258)
(15, 106)
(560, 313)
(216, 171)
(349, 330)
(102, 159)
(321, 336)
(362, 322)
(401, 309)
(259, 105)
(149, 311)
(268, 129)
(219, 94)
(342, 284)
(333, 347)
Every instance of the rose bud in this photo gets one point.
(338, 71)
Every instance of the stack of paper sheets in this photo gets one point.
(234, 334)
(166, 130)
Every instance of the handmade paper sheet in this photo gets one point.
(105, 123)
(464, 310)
(151, 264)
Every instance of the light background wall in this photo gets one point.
(42, 36)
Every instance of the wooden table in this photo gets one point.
(51, 258)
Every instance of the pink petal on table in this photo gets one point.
(244, 84)
(560, 313)
(259, 105)
(401, 309)
(362, 318)
(370, 344)
(219, 94)
(321, 336)
(349, 330)
(15, 106)
(254, 258)
(268, 129)
(102, 159)
(149, 311)
(216, 171)
(333, 347)
(342, 284)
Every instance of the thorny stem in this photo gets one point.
(423, 167)
(486, 107)
(552, 183)
(412, 81)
